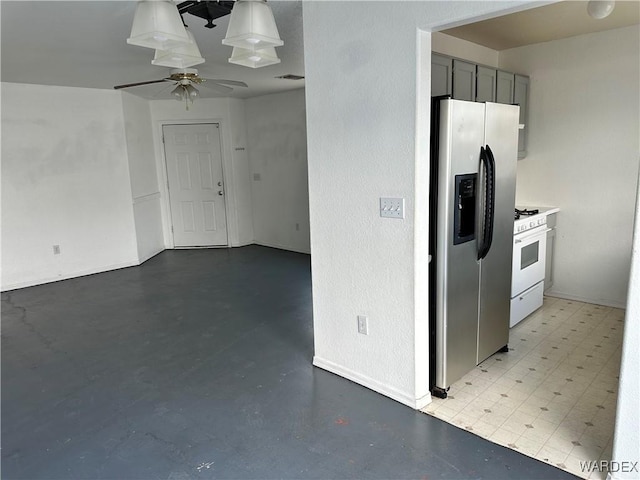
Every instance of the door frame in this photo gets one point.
(163, 178)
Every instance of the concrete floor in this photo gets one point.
(198, 365)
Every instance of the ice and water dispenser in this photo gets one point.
(464, 221)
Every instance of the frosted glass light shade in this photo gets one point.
(185, 92)
(184, 56)
(252, 26)
(157, 24)
(192, 92)
(254, 58)
(600, 9)
(178, 93)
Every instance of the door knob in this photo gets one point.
(220, 192)
(219, 184)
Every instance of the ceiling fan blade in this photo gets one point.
(235, 83)
(118, 87)
(216, 86)
(162, 91)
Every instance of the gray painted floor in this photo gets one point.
(198, 365)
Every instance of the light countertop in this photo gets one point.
(541, 210)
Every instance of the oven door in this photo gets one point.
(529, 254)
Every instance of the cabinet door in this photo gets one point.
(504, 89)
(485, 84)
(441, 75)
(464, 80)
(521, 97)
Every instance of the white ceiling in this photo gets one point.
(546, 23)
(83, 44)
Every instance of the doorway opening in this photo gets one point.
(556, 391)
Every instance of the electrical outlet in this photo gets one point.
(56, 249)
(392, 207)
(363, 324)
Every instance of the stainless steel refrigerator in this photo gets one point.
(473, 180)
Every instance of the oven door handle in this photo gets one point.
(527, 237)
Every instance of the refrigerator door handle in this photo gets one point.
(488, 161)
(484, 168)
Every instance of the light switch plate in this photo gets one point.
(392, 207)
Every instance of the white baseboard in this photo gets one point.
(372, 384)
(423, 401)
(243, 244)
(282, 247)
(150, 256)
(92, 271)
(578, 298)
(80, 273)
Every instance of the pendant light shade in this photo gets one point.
(600, 9)
(252, 26)
(157, 24)
(184, 56)
(254, 58)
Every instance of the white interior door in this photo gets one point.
(196, 186)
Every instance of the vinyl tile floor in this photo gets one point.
(553, 395)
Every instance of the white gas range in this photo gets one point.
(528, 266)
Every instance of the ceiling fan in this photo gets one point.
(184, 79)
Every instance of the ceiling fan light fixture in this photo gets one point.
(600, 9)
(178, 93)
(184, 56)
(252, 26)
(158, 24)
(191, 91)
(254, 58)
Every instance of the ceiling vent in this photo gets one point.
(290, 76)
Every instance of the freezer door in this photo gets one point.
(457, 268)
(501, 136)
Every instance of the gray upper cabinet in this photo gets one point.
(485, 84)
(476, 83)
(464, 80)
(504, 89)
(441, 74)
(521, 97)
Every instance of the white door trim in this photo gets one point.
(163, 180)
